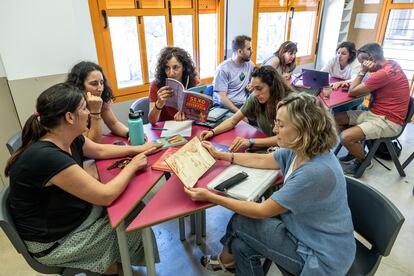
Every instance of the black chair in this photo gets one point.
(376, 219)
(14, 142)
(388, 142)
(6, 223)
(142, 104)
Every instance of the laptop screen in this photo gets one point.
(314, 78)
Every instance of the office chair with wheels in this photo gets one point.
(6, 223)
(388, 142)
(142, 104)
(14, 142)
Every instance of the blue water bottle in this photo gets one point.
(136, 127)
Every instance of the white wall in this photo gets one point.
(240, 20)
(2, 72)
(44, 37)
(331, 22)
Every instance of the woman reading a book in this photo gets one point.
(306, 226)
(89, 77)
(174, 63)
(55, 204)
(268, 89)
(284, 59)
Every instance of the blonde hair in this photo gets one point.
(314, 123)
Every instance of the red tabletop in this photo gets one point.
(171, 201)
(337, 98)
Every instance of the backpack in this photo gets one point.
(383, 153)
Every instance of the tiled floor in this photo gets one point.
(181, 258)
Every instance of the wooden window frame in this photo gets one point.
(274, 6)
(104, 46)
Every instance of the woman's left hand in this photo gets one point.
(238, 144)
(336, 85)
(197, 194)
(180, 116)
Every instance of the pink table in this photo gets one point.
(171, 202)
(337, 98)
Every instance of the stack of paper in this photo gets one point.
(258, 181)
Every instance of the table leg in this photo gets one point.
(199, 226)
(181, 224)
(148, 250)
(123, 249)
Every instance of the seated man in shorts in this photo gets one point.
(388, 86)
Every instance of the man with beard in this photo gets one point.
(390, 96)
(233, 75)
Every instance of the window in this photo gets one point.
(277, 21)
(397, 33)
(129, 35)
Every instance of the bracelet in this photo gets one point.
(362, 74)
(97, 113)
(232, 158)
(212, 130)
(157, 106)
(95, 116)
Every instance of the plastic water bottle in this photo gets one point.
(136, 127)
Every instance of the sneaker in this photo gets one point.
(347, 158)
(352, 168)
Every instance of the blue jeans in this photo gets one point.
(250, 240)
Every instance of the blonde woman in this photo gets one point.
(306, 226)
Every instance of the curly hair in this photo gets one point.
(278, 89)
(184, 58)
(80, 73)
(350, 46)
(314, 123)
(285, 47)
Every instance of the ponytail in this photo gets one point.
(31, 133)
(52, 105)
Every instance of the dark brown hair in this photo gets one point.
(278, 87)
(287, 46)
(51, 107)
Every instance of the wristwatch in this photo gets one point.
(251, 141)
(362, 74)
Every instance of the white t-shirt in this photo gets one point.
(334, 69)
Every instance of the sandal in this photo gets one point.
(214, 264)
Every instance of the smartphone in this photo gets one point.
(232, 181)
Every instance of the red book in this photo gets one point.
(160, 164)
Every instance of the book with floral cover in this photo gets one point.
(190, 162)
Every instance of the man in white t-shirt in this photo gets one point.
(233, 75)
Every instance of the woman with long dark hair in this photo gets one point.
(90, 78)
(55, 204)
(284, 59)
(175, 63)
(268, 89)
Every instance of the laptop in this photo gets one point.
(313, 81)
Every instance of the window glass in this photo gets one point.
(398, 41)
(303, 24)
(183, 32)
(271, 33)
(155, 39)
(126, 54)
(208, 44)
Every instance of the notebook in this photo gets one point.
(258, 181)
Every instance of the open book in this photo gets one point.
(195, 105)
(257, 182)
(160, 164)
(190, 162)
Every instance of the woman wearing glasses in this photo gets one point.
(306, 226)
(284, 59)
(90, 78)
(174, 63)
